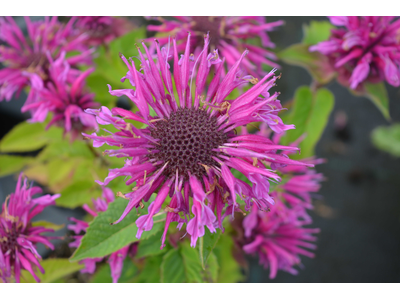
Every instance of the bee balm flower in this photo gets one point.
(18, 236)
(188, 144)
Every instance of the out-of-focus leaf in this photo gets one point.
(323, 105)
(102, 238)
(28, 137)
(10, 164)
(47, 224)
(172, 269)
(310, 114)
(55, 269)
(387, 139)
(316, 31)
(103, 274)
(150, 247)
(229, 269)
(79, 193)
(65, 149)
(207, 244)
(151, 272)
(212, 268)
(300, 114)
(314, 62)
(377, 93)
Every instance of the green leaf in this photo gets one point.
(207, 244)
(79, 193)
(151, 272)
(65, 149)
(316, 32)
(324, 102)
(193, 268)
(172, 269)
(128, 273)
(377, 93)
(28, 137)
(314, 62)
(48, 225)
(212, 268)
(300, 114)
(229, 269)
(10, 164)
(387, 139)
(310, 114)
(55, 269)
(102, 239)
(150, 247)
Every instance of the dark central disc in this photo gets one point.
(186, 141)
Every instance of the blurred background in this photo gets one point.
(358, 211)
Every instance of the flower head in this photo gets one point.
(364, 49)
(116, 259)
(229, 35)
(276, 236)
(23, 55)
(188, 144)
(64, 95)
(18, 236)
(102, 30)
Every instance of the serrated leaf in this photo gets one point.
(314, 62)
(49, 225)
(102, 239)
(10, 164)
(207, 244)
(193, 268)
(229, 269)
(387, 139)
(172, 269)
(377, 93)
(212, 268)
(27, 137)
(150, 247)
(316, 31)
(55, 269)
(128, 273)
(65, 149)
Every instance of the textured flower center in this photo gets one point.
(9, 242)
(208, 24)
(186, 141)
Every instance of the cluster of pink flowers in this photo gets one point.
(364, 49)
(18, 236)
(189, 145)
(116, 259)
(228, 35)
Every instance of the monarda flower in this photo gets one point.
(278, 237)
(18, 236)
(64, 95)
(116, 259)
(188, 145)
(102, 30)
(228, 34)
(22, 55)
(366, 49)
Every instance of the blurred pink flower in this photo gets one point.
(18, 236)
(22, 55)
(228, 34)
(364, 49)
(63, 94)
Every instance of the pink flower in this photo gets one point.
(366, 49)
(102, 30)
(229, 35)
(188, 144)
(115, 259)
(18, 236)
(277, 237)
(30, 55)
(64, 95)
